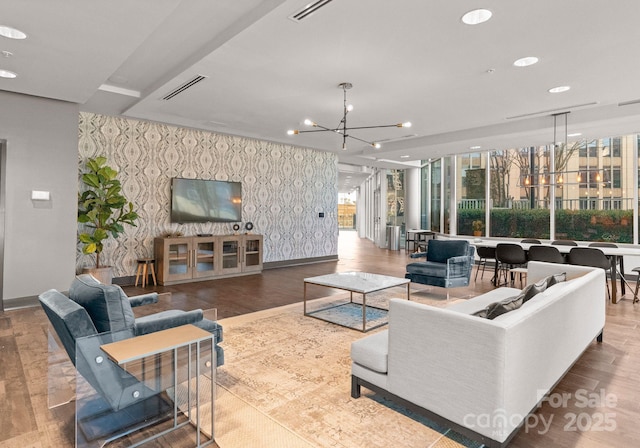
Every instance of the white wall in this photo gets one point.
(42, 154)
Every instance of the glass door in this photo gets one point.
(230, 254)
(177, 256)
(252, 253)
(205, 257)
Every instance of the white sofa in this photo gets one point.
(483, 377)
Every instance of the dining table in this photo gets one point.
(611, 252)
(419, 238)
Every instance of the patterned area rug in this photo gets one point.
(296, 370)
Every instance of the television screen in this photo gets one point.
(199, 200)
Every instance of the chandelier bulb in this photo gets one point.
(309, 122)
(376, 145)
(349, 107)
(293, 132)
(344, 146)
(406, 124)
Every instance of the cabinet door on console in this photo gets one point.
(230, 251)
(252, 253)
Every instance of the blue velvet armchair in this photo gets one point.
(448, 264)
(95, 313)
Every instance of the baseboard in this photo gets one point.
(20, 302)
(299, 262)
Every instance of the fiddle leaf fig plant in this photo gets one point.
(101, 207)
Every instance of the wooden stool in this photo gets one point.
(142, 268)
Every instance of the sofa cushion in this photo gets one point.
(428, 268)
(107, 305)
(372, 351)
(440, 251)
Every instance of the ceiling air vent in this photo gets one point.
(629, 103)
(192, 82)
(308, 10)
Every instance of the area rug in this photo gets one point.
(296, 370)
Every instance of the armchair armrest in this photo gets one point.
(166, 319)
(418, 255)
(143, 299)
(459, 266)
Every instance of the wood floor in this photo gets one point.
(604, 385)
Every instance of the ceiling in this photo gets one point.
(408, 60)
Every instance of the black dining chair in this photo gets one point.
(485, 254)
(620, 271)
(548, 254)
(510, 256)
(531, 241)
(590, 256)
(564, 243)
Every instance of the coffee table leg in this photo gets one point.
(409, 291)
(364, 312)
(304, 299)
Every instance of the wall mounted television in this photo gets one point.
(200, 200)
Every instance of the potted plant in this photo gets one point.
(102, 209)
(477, 227)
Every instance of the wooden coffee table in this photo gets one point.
(358, 282)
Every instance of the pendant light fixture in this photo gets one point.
(342, 127)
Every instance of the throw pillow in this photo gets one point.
(556, 278)
(495, 309)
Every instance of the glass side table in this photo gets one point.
(160, 381)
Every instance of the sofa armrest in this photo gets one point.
(143, 299)
(418, 255)
(166, 319)
(448, 362)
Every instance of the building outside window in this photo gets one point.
(591, 189)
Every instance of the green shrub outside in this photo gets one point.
(581, 225)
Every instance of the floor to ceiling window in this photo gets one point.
(470, 189)
(347, 210)
(580, 190)
(436, 194)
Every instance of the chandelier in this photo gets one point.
(342, 127)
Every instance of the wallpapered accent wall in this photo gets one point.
(283, 187)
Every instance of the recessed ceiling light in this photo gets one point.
(7, 74)
(11, 33)
(559, 89)
(475, 147)
(476, 16)
(405, 156)
(575, 134)
(525, 62)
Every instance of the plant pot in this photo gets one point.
(477, 233)
(103, 275)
